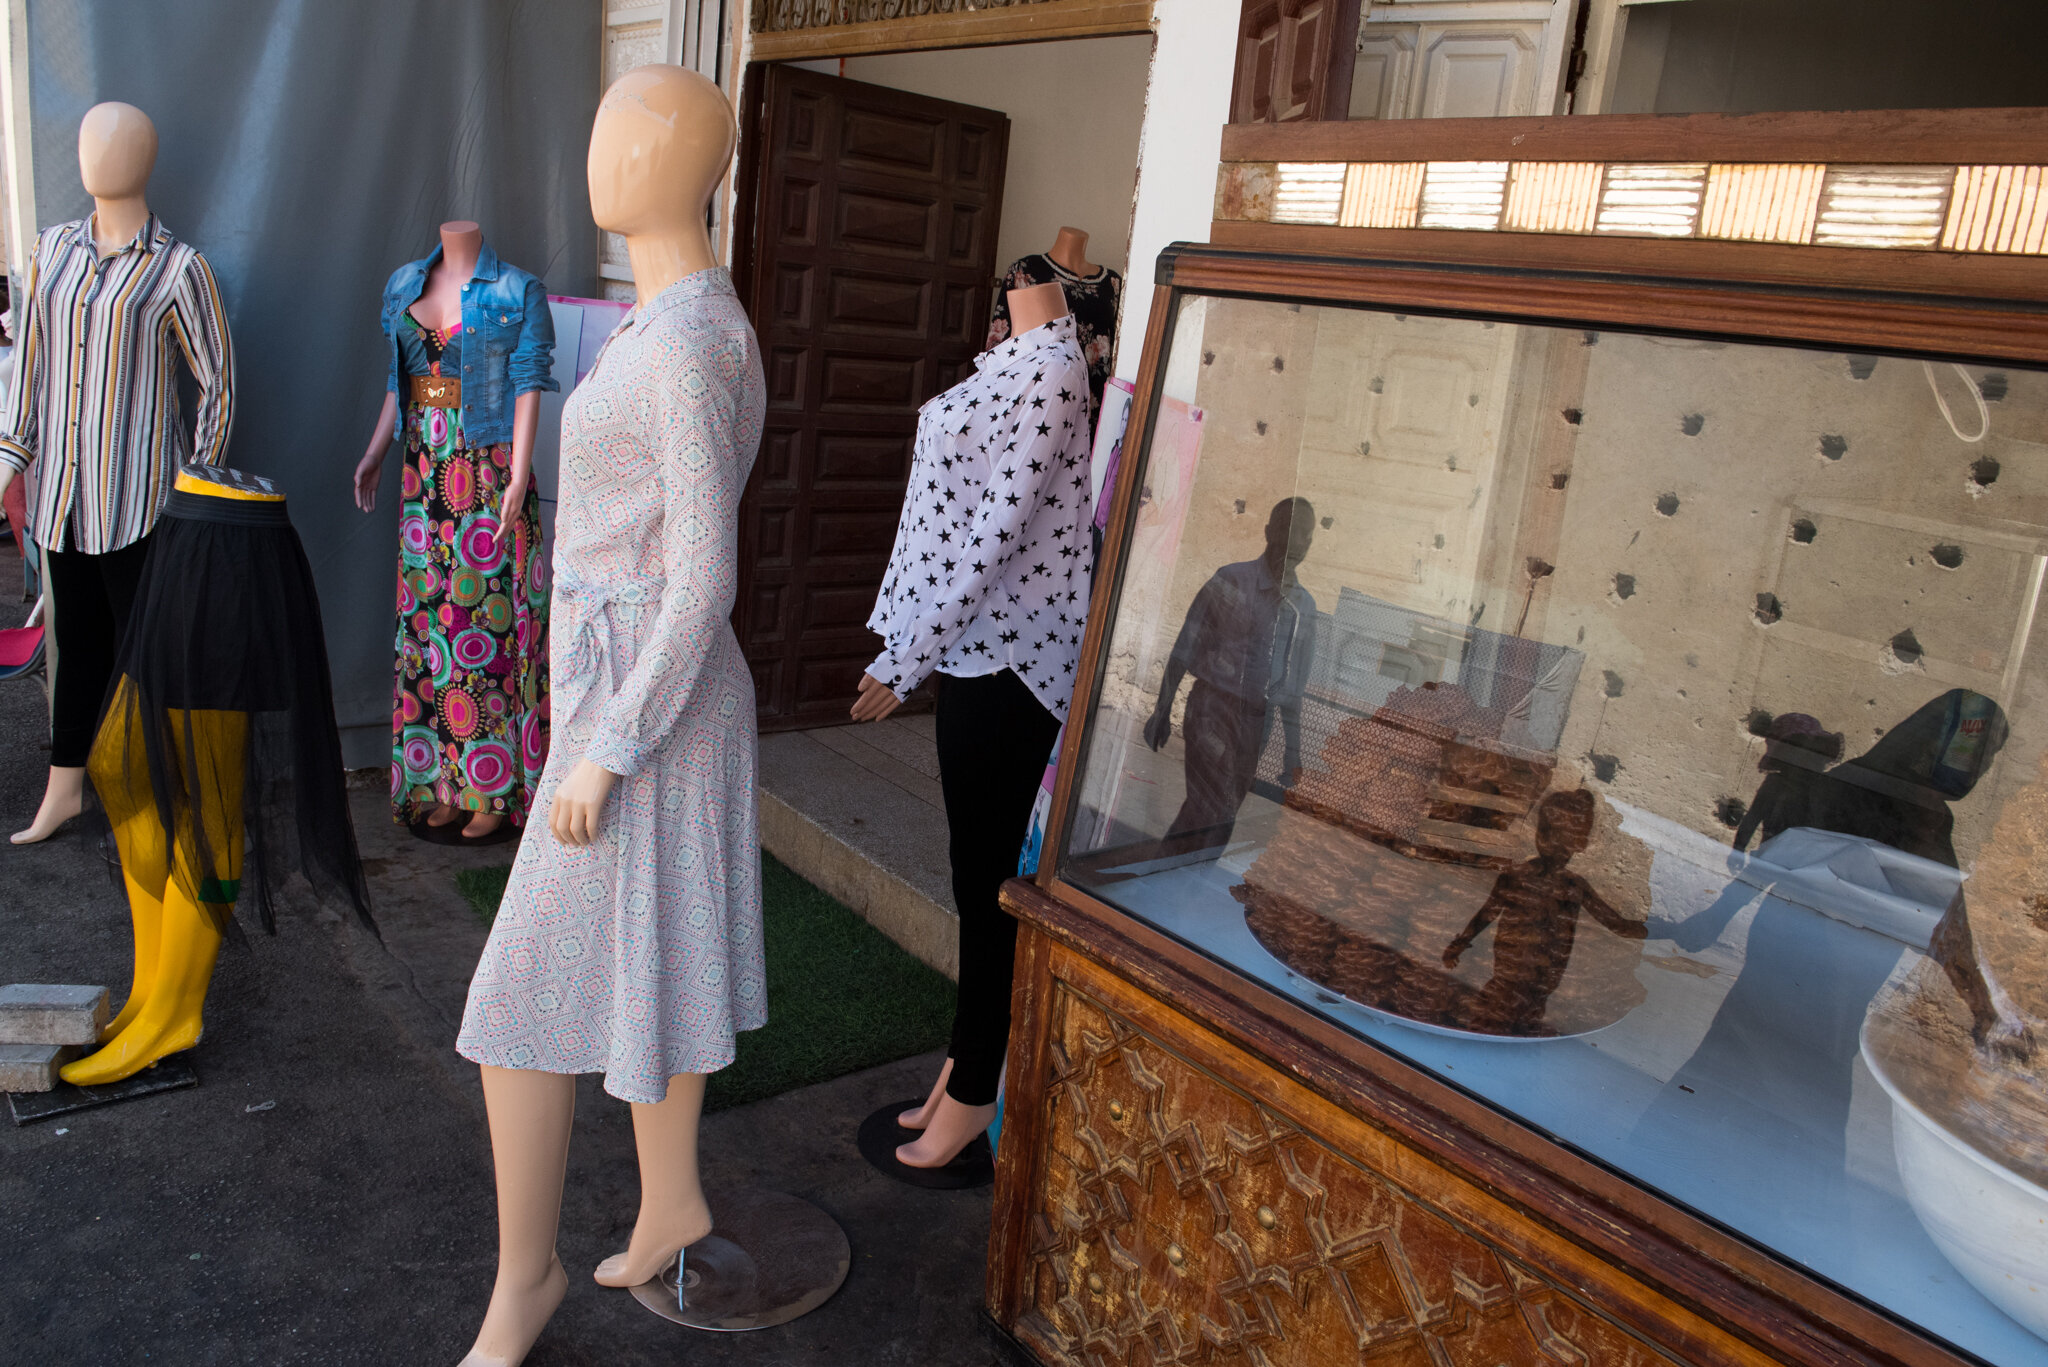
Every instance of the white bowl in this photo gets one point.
(1988, 1221)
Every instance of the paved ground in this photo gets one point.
(352, 1221)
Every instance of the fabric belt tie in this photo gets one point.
(241, 512)
(436, 391)
(591, 600)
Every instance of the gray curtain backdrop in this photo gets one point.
(308, 148)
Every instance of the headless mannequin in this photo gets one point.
(116, 153)
(1070, 253)
(949, 1125)
(440, 307)
(661, 144)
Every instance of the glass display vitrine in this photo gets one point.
(1640, 729)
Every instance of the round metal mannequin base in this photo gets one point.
(769, 1258)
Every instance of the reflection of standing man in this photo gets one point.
(1248, 640)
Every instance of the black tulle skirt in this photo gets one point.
(217, 758)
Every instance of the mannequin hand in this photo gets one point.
(1158, 727)
(876, 701)
(368, 472)
(579, 802)
(509, 507)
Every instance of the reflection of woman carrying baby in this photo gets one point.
(1536, 907)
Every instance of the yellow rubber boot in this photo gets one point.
(169, 1020)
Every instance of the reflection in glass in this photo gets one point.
(1662, 755)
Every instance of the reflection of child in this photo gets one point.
(1796, 752)
(1535, 913)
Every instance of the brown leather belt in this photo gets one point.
(436, 391)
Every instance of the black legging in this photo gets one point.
(90, 596)
(994, 739)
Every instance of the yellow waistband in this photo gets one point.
(187, 483)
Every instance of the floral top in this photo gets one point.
(991, 565)
(1094, 300)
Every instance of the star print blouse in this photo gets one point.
(991, 566)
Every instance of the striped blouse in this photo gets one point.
(93, 400)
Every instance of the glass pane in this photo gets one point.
(1609, 723)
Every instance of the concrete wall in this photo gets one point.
(1075, 109)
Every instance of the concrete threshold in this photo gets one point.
(857, 810)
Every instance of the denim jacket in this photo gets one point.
(508, 340)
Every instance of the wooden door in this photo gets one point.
(865, 253)
(1294, 60)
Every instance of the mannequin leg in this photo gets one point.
(673, 1212)
(531, 1114)
(146, 911)
(145, 862)
(170, 1019)
(921, 1116)
(63, 798)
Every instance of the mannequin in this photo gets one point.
(440, 307)
(660, 147)
(1070, 252)
(116, 152)
(998, 713)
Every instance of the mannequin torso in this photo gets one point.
(1070, 253)
(440, 304)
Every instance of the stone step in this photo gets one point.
(33, 1067)
(51, 1013)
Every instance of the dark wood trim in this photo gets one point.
(1723, 1279)
(1902, 271)
(1884, 137)
(1021, 1154)
(1339, 58)
(1653, 285)
(753, 122)
(1043, 22)
(1103, 593)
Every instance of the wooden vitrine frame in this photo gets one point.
(1681, 1281)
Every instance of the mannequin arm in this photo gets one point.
(201, 320)
(525, 425)
(371, 467)
(20, 426)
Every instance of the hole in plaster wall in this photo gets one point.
(1993, 386)
(1729, 811)
(1860, 367)
(1624, 586)
(1589, 339)
(1803, 530)
(1667, 504)
(1692, 661)
(1328, 523)
(1208, 358)
(1240, 507)
(1833, 447)
(1365, 448)
(1575, 416)
(1439, 540)
(1759, 722)
(1768, 608)
(1279, 364)
(1261, 425)
(1692, 423)
(1451, 463)
(1539, 569)
(1604, 767)
(1471, 401)
(1560, 479)
(1984, 472)
(1905, 648)
(1400, 317)
(1377, 384)
(1947, 556)
(1611, 681)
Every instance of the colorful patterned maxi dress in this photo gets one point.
(639, 954)
(469, 720)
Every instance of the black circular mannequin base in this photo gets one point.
(880, 1136)
(769, 1258)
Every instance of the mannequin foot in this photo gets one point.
(63, 799)
(920, 1117)
(481, 825)
(517, 1315)
(654, 1246)
(953, 1128)
(151, 1038)
(443, 815)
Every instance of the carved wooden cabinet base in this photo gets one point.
(1172, 1216)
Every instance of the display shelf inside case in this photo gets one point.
(1610, 721)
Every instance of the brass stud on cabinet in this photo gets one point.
(1267, 1219)
(1116, 1110)
(1176, 1255)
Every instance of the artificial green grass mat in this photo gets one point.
(842, 996)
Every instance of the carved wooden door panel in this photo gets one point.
(866, 255)
(1294, 60)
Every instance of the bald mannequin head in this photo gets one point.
(661, 144)
(116, 151)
